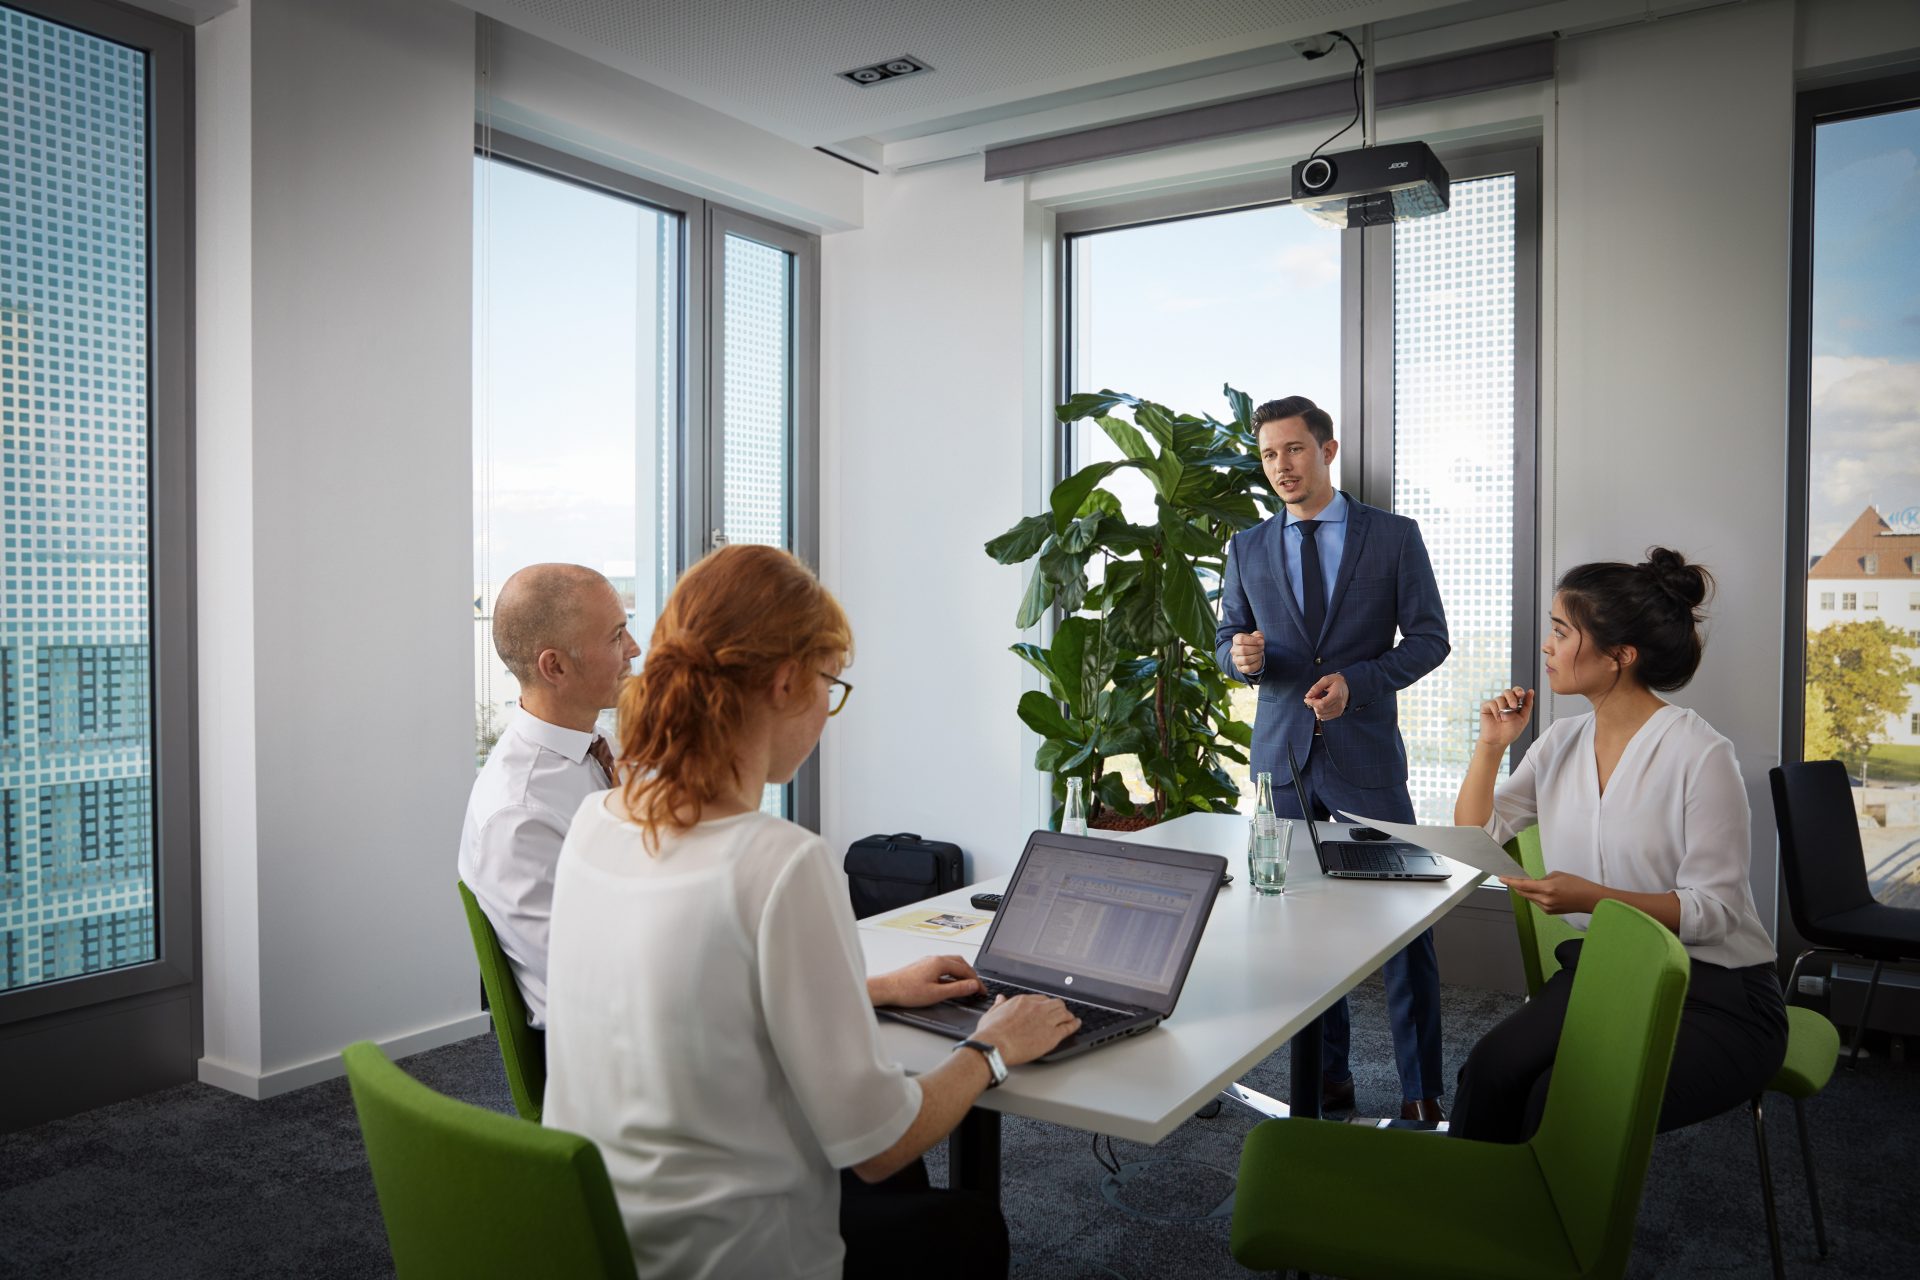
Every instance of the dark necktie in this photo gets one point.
(603, 756)
(1313, 584)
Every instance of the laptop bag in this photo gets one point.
(888, 872)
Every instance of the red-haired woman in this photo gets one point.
(710, 1024)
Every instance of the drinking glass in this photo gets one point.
(1268, 842)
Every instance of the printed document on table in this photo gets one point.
(1471, 845)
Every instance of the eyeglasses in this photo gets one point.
(836, 694)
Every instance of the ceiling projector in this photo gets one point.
(1372, 186)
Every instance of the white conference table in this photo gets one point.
(1267, 967)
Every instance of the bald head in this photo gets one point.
(545, 606)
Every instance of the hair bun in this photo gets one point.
(1686, 583)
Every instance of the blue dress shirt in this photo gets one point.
(1330, 535)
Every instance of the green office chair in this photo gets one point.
(522, 1048)
(468, 1192)
(1813, 1044)
(1309, 1190)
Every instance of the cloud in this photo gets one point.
(1307, 267)
(1866, 441)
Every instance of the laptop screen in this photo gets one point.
(1102, 917)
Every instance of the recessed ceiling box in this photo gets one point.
(882, 72)
(1372, 186)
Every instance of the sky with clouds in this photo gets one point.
(1866, 321)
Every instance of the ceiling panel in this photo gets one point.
(773, 63)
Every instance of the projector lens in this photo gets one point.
(1317, 174)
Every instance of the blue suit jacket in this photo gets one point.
(1385, 582)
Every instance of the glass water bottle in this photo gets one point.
(1266, 855)
(1073, 818)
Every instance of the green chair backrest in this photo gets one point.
(522, 1048)
(1540, 933)
(1609, 1077)
(469, 1192)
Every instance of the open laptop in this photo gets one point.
(1366, 859)
(1109, 927)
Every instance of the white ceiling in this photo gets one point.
(773, 63)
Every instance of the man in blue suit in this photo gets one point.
(1308, 612)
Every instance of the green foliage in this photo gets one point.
(1818, 742)
(1131, 670)
(1859, 675)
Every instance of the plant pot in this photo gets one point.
(1122, 822)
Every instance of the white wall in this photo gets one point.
(335, 476)
(933, 439)
(1670, 416)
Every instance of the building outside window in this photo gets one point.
(1860, 475)
(1826, 601)
(78, 893)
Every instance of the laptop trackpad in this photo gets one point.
(946, 1015)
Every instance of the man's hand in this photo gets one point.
(1328, 697)
(1557, 893)
(1250, 653)
(921, 983)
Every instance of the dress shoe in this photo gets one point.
(1426, 1110)
(1336, 1095)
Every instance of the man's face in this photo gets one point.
(1296, 464)
(605, 647)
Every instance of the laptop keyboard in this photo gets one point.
(1359, 857)
(1092, 1016)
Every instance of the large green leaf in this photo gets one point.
(1036, 657)
(1242, 405)
(1186, 602)
(1088, 404)
(1135, 614)
(1042, 715)
(1073, 644)
(1034, 605)
(1099, 501)
(1156, 421)
(1021, 541)
(1071, 492)
(1123, 434)
(1125, 539)
(1183, 535)
(1082, 532)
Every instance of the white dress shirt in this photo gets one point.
(710, 1031)
(1673, 819)
(517, 816)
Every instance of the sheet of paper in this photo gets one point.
(940, 924)
(1471, 845)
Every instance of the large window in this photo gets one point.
(1857, 482)
(1418, 339)
(90, 443)
(643, 390)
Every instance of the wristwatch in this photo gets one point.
(996, 1065)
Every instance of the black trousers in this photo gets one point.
(1733, 1037)
(906, 1226)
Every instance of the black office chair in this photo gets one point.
(1826, 878)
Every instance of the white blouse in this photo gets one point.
(708, 1028)
(1673, 819)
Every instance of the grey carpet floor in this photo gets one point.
(194, 1182)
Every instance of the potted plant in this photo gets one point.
(1131, 670)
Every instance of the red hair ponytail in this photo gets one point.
(734, 618)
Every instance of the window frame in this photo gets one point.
(1813, 107)
(1366, 346)
(174, 971)
(698, 430)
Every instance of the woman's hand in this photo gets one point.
(1025, 1027)
(1504, 717)
(1557, 893)
(928, 980)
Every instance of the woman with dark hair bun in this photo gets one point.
(1637, 800)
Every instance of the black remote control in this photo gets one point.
(986, 901)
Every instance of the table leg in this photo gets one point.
(1306, 1071)
(973, 1154)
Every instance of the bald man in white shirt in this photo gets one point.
(562, 631)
